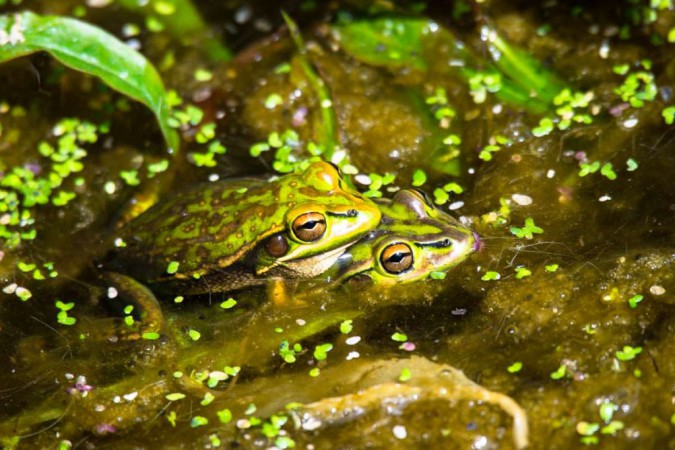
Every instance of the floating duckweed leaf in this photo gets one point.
(175, 396)
(587, 429)
(522, 272)
(286, 352)
(419, 178)
(208, 399)
(321, 351)
(515, 367)
(273, 100)
(62, 198)
(130, 177)
(559, 373)
(621, 69)
(528, 230)
(668, 114)
(405, 375)
(203, 75)
(552, 267)
(634, 300)
(158, 167)
(89, 49)
(25, 267)
(586, 168)
(399, 337)
(440, 196)
(628, 353)
(545, 127)
(150, 336)
(284, 442)
(608, 171)
(63, 318)
(491, 276)
(631, 165)
(606, 411)
(638, 87)
(437, 275)
(229, 303)
(194, 335)
(225, 415)
(198, 421)
(314, 372)
(64, 306)
(205, 133)
(23, 293)
(172, 268)
(488, 150)
(612, 427)
(346, 326)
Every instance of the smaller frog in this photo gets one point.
(413, 240)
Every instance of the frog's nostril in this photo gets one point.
(477, 243)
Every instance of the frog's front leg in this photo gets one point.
(125, 289)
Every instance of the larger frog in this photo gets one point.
(233, 234)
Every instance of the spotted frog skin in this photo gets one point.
(233, 234)
(413, 240)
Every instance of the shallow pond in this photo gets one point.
(546, 128)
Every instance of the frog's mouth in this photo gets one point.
(310, 266)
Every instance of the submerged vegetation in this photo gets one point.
(545, 127)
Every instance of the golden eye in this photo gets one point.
(276, 246)
(309, 227)
(396, 258)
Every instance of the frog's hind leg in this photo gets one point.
(143, 302)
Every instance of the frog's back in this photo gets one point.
(205, 228)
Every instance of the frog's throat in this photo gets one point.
(312, 265)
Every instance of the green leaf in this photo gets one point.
(491, 276)
(174, 396)
(91, 50)
(419, 178)
(399, 337)
(515, 367)
(387, 41)
(634, 300)
(346, 326)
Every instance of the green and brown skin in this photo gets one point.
(413, 240)
(232, 234)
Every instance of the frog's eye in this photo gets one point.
(309, 227)
(396, 258)
(276, 245)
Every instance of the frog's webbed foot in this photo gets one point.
(141, 303)
(281, 292)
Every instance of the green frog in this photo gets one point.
(233, 234)
(413, 240)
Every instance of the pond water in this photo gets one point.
(546, 128)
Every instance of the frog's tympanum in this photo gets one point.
(233, 234)
(413, 240)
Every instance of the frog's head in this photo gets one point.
(413, 240)
(324, 218)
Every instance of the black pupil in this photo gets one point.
(311, 224)
(398, 257)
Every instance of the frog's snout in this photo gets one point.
(477, 243)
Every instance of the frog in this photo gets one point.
(413, 240)
(234, 234)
